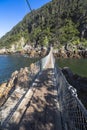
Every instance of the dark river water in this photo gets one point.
(9, 64)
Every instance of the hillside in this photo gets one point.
(57, 22)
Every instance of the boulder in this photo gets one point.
(14, 74)
(32, 53)
(77, 81)
(68, 74)
(2, 89)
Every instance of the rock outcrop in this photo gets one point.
(40, 51)
(19, 79)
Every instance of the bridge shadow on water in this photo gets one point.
(41, 112)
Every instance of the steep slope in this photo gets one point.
(56, 22)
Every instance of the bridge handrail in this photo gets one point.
(74, 114)
(41, 64)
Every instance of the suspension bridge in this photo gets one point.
(50, 103)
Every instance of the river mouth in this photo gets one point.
(10, 63)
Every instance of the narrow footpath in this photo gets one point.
(42, 112)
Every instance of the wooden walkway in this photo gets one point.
(42, 112)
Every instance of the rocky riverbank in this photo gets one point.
(42, 51)
(19, 79)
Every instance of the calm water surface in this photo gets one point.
(78, 66)
(9, 64)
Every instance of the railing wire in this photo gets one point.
(74, 114)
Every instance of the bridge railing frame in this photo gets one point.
(41, 64)
(73, 113)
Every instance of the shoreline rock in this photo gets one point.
(19, 79)
(41, 52)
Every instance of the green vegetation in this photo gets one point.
(57, 22)
(68, 32)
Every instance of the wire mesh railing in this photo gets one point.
(41, 64)
(73, 113)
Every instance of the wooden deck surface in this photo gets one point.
(43, 110)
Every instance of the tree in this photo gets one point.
(68, 32)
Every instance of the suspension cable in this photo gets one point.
(29, 5)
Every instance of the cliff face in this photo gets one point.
(56, 22)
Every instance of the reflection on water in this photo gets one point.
(9, 64)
